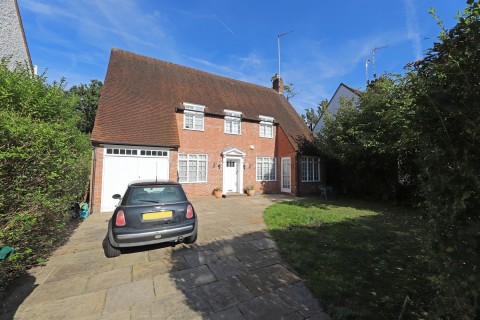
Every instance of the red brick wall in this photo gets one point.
(285, 149)
(213, 140)
(97, 176)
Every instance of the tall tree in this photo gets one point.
(312, 116)
(447, 94)
(370, 139)
(289, 91)
(88, 95)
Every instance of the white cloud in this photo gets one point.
(414, 34)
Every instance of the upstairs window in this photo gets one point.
(233, 122)
(193, 117)
(266, 127)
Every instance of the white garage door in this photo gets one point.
(122, 165)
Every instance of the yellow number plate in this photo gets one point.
(157, 215)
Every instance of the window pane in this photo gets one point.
(227, 126)
(192, 171)
(202, 171)
(182, 170)
(109, 151)
(198, 122)
(188, 120)
(235, 126)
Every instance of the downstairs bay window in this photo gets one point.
(310, 169)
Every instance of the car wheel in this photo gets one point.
(192, 238)
(110, 251)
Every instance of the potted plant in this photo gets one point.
(217, 192)
(250, 190)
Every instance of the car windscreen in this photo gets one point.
(139, 195)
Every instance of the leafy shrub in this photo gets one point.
(44, 165)
(447, 92)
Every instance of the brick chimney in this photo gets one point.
(278, 84)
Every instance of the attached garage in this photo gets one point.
(123, 164)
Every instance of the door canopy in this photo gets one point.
(233, 152)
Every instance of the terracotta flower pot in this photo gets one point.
(217, 193)
(251, 192)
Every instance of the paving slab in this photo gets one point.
(226, 293)
(260, 259)
(193, 277)
(227, 267)
(229, 314)
(299, 297)
(267, 307)
(268, 279)
(77, 307)
(129, 294)
(196, 259)
(233, 271)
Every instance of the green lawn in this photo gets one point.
(359, 259)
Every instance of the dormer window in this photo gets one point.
(193, 116)
(233, 122)
(266, 127)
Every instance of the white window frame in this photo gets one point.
(190, 158)
(266, 123)
(197, 114)
(131, 151)
(311, 169)
(231, 118)
(261, 165)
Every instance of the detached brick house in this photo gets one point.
(160, 120)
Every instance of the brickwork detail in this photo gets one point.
(212, 141)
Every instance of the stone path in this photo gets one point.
(233, 272)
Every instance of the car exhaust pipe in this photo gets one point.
(180, 239)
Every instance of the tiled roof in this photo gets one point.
(140, 95)
(356, 91)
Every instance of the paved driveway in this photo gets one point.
(233, 272)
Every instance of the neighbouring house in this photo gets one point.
(159, 120)
(13, 43)
(343, 92)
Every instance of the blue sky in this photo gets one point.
(330, 42)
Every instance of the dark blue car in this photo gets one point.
(151, 212)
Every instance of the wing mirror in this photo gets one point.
(117, 196)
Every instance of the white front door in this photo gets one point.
(231, 176)
(286, 175)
